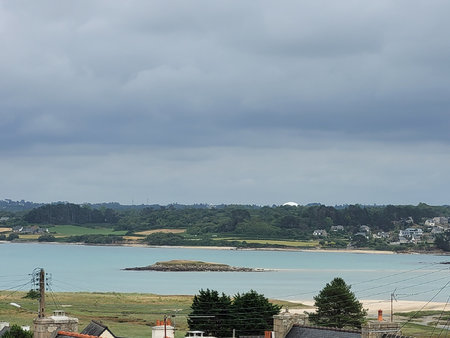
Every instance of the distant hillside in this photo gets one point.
(244, 225)
(69, 213)
(13, 206)
(240, 219)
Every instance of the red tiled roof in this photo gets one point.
(75, 334)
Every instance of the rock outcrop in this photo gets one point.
(185, 265)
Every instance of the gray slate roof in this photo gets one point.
(95, 329)
(4, 330)
(298, 331)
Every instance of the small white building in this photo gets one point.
(430, 223)
(159, 330)
(440, 220)
(337, 228)
(197, 334)
(382, 234)
(411, 233)
(320, 233)
(437, 230)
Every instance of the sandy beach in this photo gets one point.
(143, 245)
(262, 249)
(385, 305)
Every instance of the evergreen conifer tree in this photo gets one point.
(337, 306)
(253, 313)
(211, 313)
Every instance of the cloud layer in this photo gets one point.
(242, 101)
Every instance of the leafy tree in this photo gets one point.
(253, 313)
(289, 221)
(360, 241)
(95, 239)
(32, 294)
(2, 237)
(69, 213)
(211, 313)
(442, 241)
(46, 238)
(16, 331)
(12, 237)
(337, 306)
(161, 238)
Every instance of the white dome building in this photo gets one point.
(290, 204)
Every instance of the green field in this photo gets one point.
(134, 314)
(417, 319)
(297, 244)
(74, 230)
(419, 330)
(126, 314)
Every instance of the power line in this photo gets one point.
(380, 278)
(17, 287)
(440, 316)
(435, 295)
(443, 328)
(395, 274)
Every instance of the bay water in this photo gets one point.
(293, 275)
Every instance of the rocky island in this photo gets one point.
(186, 265)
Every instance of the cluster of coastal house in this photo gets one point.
(414, 233)
(29, 230)
(285, 325)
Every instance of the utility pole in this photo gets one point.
(42, 294)
(392, 305)
(165, 326)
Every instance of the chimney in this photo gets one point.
(45, 327)
(283, 323)
(379, 329)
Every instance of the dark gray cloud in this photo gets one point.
(93, 79)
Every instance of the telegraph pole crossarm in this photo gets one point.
(392, 305)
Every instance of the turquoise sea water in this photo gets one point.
(295, 276)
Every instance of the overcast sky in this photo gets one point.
(249, 102)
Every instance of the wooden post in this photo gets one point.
(42, 294)
(392, 307)
(165, 326)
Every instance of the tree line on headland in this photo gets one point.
(204, 222)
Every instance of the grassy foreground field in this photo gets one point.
(134, 314)
(127, 314)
